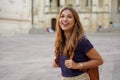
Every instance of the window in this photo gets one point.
(51, 6)
(85, 3)
(119, 6)
(58, 3)
(100, 3)
(82, 3)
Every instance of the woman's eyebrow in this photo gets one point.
(67, 14)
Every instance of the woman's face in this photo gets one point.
(66, 20)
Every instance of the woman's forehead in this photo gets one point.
(67, 11)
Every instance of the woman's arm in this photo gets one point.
(95, 61)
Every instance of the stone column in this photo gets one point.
(77, 2)
(46, 5)
(0, 5)
(95, 6)
(54, 6)
(77, 5)
(89, 3)
(62, 2)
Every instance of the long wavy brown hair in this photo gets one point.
(76, 35)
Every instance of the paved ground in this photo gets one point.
(29, 57)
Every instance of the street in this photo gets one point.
(29, 57)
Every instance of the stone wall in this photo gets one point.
(16, 16)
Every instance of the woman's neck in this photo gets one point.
(67, 35)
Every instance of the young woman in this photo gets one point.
(70, 38)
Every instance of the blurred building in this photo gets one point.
(20, 16)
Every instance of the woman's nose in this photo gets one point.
(65, 18)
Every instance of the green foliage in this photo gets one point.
(70, 5)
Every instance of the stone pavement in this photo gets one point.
(29, 57)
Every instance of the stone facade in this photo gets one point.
(19, 16)
(15, 17)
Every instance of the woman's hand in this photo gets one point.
(54, 64)
(71, 64)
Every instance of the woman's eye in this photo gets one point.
(69, 16)
(62, 16)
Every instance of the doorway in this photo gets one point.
(53, 24)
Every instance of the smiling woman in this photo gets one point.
(71, 41)
(66, 20)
